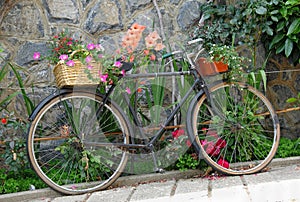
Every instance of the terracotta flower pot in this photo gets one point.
(206, 68)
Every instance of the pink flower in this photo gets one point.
(223, 162)
(90, 67)
(70, 63)
(118, 64)
(88, 59)
(103, 78)
(91, 46)
(36, 55)
(63, 57)
(98, 47)
(123, 72)
(100, 56)
(69, 43)
(128, 90)
(177, 133)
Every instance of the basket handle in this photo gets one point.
(77, 51)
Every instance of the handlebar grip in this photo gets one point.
(194, 41)
(167, 55)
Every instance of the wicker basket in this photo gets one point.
(78, 75)
(206, 68)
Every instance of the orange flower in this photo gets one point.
(139, 90)
(159, 46)
(152, 57)
(150, 43)
(132, 37)
(136, 26)
(131, 58)
(146, 52)
(154, 35)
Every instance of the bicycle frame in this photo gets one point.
(198, 85)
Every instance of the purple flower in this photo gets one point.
(63, 57)
(103, 77)
(91, 46)
(88, 59)
(36, 55)
(118, 64)
(70, 63)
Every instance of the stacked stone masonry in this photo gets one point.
(27, 25)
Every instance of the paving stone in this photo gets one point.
(113, 195)
(287, 190)
(149, 191)
(226, 181)
(258, 178)
(76, 198)
(230, 193)
(191, 185)
(284, 173)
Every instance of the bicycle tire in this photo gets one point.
(238, 132)
(69, 145)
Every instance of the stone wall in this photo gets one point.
(284, 83)
(27, 25)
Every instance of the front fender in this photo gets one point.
(46, 100)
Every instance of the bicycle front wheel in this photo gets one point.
(74, 143)
(237, 132)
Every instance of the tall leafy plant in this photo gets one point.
(285, 18)
(12, 127)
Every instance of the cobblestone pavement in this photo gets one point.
(279, 183)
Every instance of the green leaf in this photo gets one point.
(269, 30)
(288, 47)
(274, 12)
(274, 18)
(294, 26)
(264, 78)
(8, 98)
(280, 26)
(261, 10)
(280, 48)
(293, 2)
(283, 11)
(276, 39)
(28, 103)
(291, 100)
(253, 77)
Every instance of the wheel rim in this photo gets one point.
(240, 133)
(64, 155)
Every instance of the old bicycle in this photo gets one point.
(80, 141)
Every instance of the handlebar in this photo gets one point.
(167, 55)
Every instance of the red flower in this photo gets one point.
(188, 143)
(223, 162)
(4, 121)
(213, 147)
(177, 133)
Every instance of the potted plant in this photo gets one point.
(222, 59)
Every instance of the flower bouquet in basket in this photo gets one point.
(75, 63)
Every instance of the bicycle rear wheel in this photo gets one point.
(238, 132)
(73, 147)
